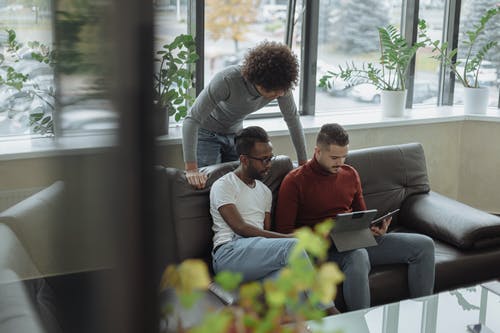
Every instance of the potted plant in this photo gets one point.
(173, 79)
(388, 76)
(467, 70)
(262, 306)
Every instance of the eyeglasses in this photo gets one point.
(264, 160)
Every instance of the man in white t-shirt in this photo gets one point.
(240, 205)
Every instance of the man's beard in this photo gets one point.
(254, 174)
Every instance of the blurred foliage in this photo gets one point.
(230, 19)
(82, 36)
(262, 306)
(17, 75)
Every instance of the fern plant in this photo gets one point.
(469, 75)
(395, 58)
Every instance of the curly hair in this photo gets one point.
(271, 65)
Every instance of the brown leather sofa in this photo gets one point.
(467, 239)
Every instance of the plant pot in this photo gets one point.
(393, 103)
(161, 122)
(476, 100)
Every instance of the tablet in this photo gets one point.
(383, 217)
(352, 230)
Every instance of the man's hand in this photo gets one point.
(381, 228)
(194, 177)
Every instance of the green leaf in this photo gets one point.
(214, 322)
(36, 116)
(187, 299)
(228, 280)
(12, 36)
(193, 57)
(46, 120)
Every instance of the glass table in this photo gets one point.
(450, 311)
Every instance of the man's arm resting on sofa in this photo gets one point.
(450, 221)
(233, 218)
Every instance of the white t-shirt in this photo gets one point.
(252, 204)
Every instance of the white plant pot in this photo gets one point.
(476, 100)
(393, 103)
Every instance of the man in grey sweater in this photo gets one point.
(269, 71)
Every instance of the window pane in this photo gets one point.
(348, 33)
(426, 85)
(83, 66)
(171, 17)
(489, 72)
(26, 82)
(233, 27)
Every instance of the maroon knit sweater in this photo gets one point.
(310, 194)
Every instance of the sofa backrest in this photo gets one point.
(186, 210)
(390, 174)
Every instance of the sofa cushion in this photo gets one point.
(451, 221)
(390, 174)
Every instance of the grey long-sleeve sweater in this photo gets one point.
(222, 106)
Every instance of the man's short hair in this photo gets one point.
(271, 65)
(332, 134)
(246, 138)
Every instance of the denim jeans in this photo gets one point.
(215, 148)
(413, 249)
(257, 258)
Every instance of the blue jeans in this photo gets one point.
(215, 148)
(416, 250)
(257, 258)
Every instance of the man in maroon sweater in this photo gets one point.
(325, 187)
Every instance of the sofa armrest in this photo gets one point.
(13, 257)
(34, 221)
(450, 221)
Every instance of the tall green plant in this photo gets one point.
(174, 78)
(390, 73)
(469, 76)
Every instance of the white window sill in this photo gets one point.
(366, 118)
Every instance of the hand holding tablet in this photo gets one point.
(377, 222)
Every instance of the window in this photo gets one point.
(344, 37)
(426, 85)
(233, 27)
(84, 68)
(80, 103)
(489, 73)
(26, 82)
